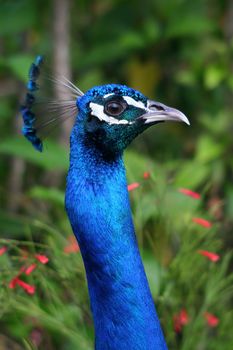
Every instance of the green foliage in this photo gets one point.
(52, 195)
(19, 64)
(53, 156)
(179, 52)
(23, 12)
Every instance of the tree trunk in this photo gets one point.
(15, 180)
(61, 56)
(61, 68)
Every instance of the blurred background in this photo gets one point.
(178, 52)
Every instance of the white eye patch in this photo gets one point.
(131, 102)
(98, 111)
(106, 96)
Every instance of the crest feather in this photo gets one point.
(39, 114)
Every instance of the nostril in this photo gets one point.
(156, 107)
(160, 108)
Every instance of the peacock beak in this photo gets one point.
(157, 112)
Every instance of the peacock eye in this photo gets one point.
(115, 108)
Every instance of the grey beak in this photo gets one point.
(157, 111)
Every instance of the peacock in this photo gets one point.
(108, 118)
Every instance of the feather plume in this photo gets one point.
(41, 114)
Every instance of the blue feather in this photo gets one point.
(28, 129)
(40, 115)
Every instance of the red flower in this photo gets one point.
(13, 282)
(190, 193)
(211, 319)
(184, 317)
(73, 246)
(43, 259)
(3, 250)
(30, 268)
(211, 256)
(132, 186)
(146, 175)
(180, 320)
(202, 222)
(27, 287)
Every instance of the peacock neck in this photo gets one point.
(98, 207)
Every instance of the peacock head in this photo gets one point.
(113, 115)
(110, 116)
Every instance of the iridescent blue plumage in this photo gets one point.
(28, 129)
(108, 118)
(98, 207)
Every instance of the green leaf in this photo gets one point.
(154, 273)
(192, 174)
(218, 124)
(92, 77)
(229, 204)
(5, 111)
(131, 40)
(20, 64)
(28, 345)
(208, 149)
(10, 225)
(16, 16)
(53, 157)
(189, 25)
(213, 76)
(151, 30)
(50, 194)
(185, 77)
(135, 165)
